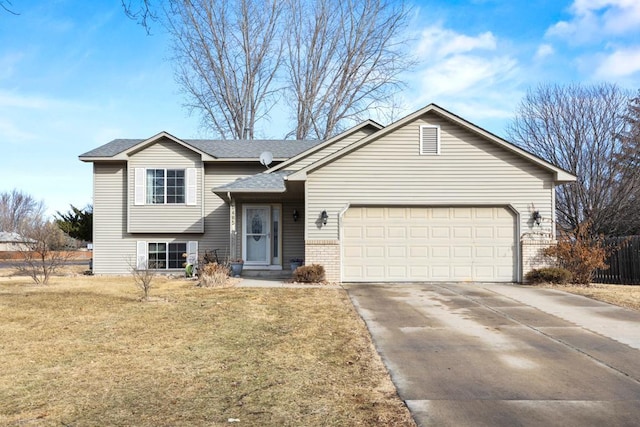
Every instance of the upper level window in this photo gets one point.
(429, 139)
(165, 186)
(159, 186)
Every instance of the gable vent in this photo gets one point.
(429, 139)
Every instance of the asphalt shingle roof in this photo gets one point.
(221, 149)
(272, 182)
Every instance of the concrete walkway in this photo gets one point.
(505, 355)
(605, 319)
(268, 282)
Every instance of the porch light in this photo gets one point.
(324, 216)
(537, 218)
(295, 215)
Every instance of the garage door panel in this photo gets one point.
(464, 213)
(462, 232)
(419, 232)
(375, 251)
(375, 271)
(462, 251)
(394, 232)
(484, 232)
(441, 272)
(429, 244)
(440, 252)
(374, 232)
(440, 232)
(484, 213)
(397, 251)
(418, 251)
(440, 213)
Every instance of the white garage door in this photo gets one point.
(382, 244)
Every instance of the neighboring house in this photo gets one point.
(430, 197)
(13, 242)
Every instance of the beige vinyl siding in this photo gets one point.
(110, 253)
(330, 149)
(114, 247)
(166, 218)
(217, 224)
(470, 171)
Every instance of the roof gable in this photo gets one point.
(370, 124)
(560, 175)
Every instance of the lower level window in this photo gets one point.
(166, 255)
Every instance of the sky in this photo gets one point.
(76, 74)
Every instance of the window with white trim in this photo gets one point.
(166, 255)
(165, 186)
(429, 140)
(160, 186)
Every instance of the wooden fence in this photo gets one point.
(624, 263)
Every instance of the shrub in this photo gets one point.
(213, 275)
(309, 273)
(548, 275)
(580, 252)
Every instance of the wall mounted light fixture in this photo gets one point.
(295, 215)
(537, 218)
(324, 216)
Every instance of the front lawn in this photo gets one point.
(85, 351)
(623, 295)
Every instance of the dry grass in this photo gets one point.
(622, 295)
(85, 351)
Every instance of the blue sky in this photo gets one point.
(75, 74)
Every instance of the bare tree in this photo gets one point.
(332, 61)
(628, 161)
(7, 6)
(227, 54)
(143, 273)
(41, 249)
(141, 11)
(343, 58)
(16, 208)
(576, 127)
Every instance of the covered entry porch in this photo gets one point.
(266, 221)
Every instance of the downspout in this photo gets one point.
(232, 226)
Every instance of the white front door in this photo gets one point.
(256, 231)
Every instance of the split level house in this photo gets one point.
(429, 198)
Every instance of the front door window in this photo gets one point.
(257, 240)
(261, 234)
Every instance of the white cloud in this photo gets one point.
(544, 50)
(467, 74)
(10, 133)
(34, 102)
(621, 63)
(440, 42)
(596, 19)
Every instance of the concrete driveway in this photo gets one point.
(505, 355)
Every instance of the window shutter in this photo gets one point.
(192, 186)
(141, 255)
(429, 140)
(140, 186)
(192, 252)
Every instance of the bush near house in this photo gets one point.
(580, 252)
(213, 275)
(313, 273)
(556, 275)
